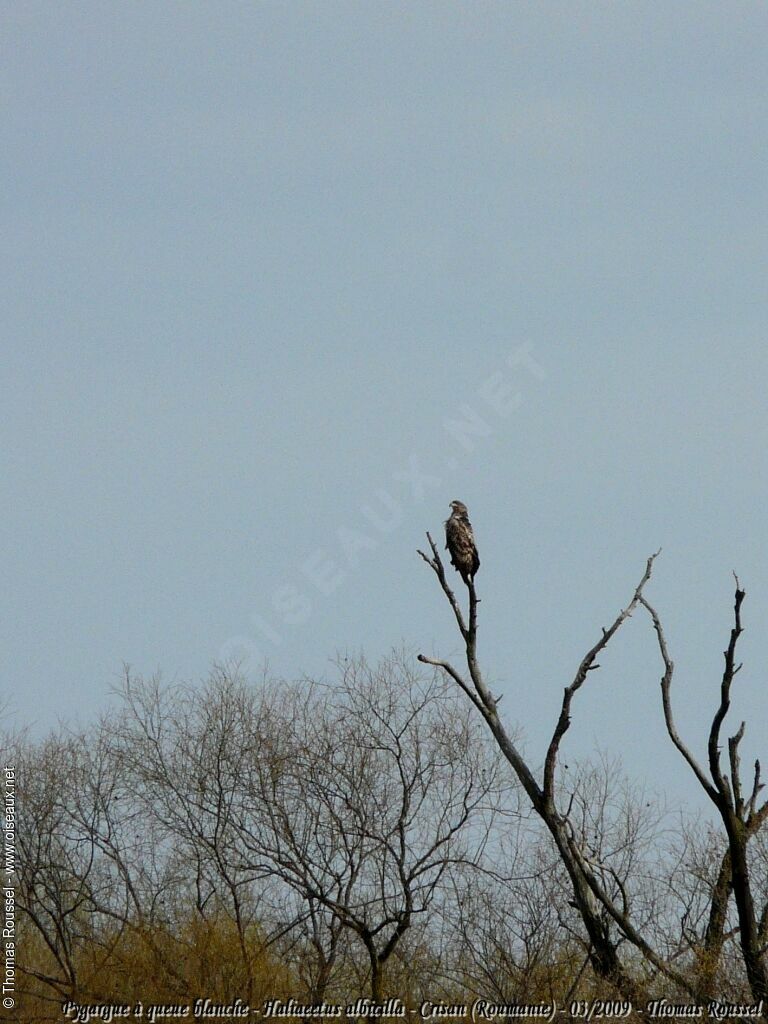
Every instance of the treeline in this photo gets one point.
(324, 841)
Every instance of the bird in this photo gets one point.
(460, 542)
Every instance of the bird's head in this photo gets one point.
(459, 506)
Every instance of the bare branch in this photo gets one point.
(436, 564)
(729, 671)
(451, 671)
(666, 685)
(735, 762)
(586, 666)
(757, 786)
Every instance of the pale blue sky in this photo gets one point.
(256, 255)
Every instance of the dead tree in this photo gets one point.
(741, 816)
(599, 895)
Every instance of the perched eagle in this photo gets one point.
(460, 542)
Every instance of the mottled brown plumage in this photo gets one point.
(460, 542)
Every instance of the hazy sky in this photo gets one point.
(262, 261)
